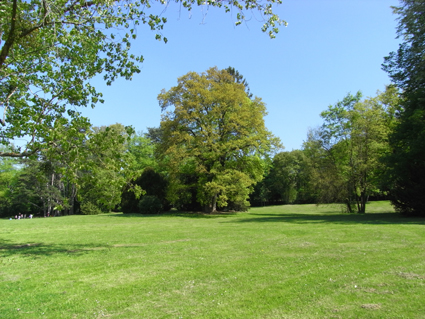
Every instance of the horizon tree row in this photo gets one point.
(212, 151)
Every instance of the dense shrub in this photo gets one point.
(88, 208)
(236, 206)
(153, 183)
(150, 205)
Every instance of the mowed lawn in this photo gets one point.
(295, 261)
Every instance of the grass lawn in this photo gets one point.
(299, 261)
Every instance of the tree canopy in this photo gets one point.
(213, 132)
(285, 182)
(406, 164)
(346, 151)
(88, 181)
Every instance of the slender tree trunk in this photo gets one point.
(358, 201)
(363, 200)
(363, 197)
(50, 200)
(348, 204)
(44, 207)
(212, 207)
(72, 199)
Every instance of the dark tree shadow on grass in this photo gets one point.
(302, 218)
(34, 250)
(331, 218)
(179, 214)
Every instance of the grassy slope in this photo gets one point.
(298, 261)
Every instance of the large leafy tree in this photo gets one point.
(353, 139)
(406, 67)
(110, 168)
(215, 134)
(50, 49)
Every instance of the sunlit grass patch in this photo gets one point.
(295, 261)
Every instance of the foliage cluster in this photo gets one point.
(346, 151)
(208, 153)
(92, 182)
(212, 151)
(153, 199)
(340, 161)
(406, 164)
(213, 140)
(150, 205)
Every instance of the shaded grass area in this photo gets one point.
(299, 261)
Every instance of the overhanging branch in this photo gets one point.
(18, 154)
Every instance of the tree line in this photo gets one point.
(372, 146)
(340, 161)
(207, 154)
(212, 150)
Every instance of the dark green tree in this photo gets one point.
(239, 79)
(405, 176)
(152, 183)
(288, 178)
(154, 134)
(38, 189)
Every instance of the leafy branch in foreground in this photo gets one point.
(50, 49)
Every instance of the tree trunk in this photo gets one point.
(363, 199)
(72, 199)
(348, 204)
(212, 207)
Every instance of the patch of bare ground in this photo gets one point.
(410, 275)
(371, 306)
(144, 244)
(377, 291)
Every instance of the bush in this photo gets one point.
(88, 208)
(237, 206)
(150, 205)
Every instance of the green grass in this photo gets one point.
(299, 261)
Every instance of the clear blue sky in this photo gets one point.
(329, 48)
